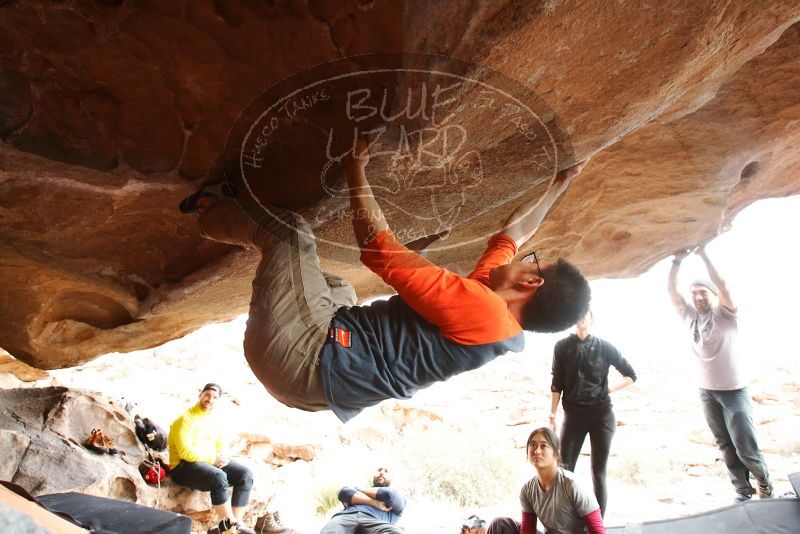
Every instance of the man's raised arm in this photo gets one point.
(526, 218)
(368, 219)
(672, 281)
(722, 288)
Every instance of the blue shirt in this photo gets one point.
(386, 495)
(438, 325)
(394, 353)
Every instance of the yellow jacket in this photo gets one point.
(195, 436)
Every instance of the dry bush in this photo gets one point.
(470, 473)
(326, 500)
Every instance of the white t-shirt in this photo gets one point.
(715, 347)
(561, 509)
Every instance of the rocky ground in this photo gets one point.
(456, 448)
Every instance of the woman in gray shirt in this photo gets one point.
(552, 495)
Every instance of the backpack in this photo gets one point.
(473, 525)
(149, 433)
(153, 471)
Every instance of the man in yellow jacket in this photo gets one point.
(197, 461)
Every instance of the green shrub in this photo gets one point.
(326, 499)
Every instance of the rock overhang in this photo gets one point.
(111, 114)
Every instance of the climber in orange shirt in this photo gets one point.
(314, 349)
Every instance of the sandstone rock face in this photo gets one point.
(19, 371)
(404, 418)
(41, 431)
(111, 112)
(284, 453)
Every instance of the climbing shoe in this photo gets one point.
(216, 190)
(229, 527)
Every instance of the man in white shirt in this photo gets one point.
(712, 326)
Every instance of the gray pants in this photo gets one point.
(292, 303)
(729, 416)
(358, 523)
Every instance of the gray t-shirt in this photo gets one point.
(712, 337)
(561, 509)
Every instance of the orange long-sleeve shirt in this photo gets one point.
(465, 310)
(438, 325)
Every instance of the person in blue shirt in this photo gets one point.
(373, 510)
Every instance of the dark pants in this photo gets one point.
(503, 525)
(601, 427)
(205, 477)
(729, 416)
(358, 523)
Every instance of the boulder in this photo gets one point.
(14, 446)
(254, 446)
(183, 500)
(42, 431)
(283, 453)
(20, 370)
(408, 417)
(373, 438)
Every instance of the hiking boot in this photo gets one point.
(765, 490)
(270, 523)
(239, 528)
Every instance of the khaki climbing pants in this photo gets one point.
(292, 304)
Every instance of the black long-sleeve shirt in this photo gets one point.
(580, 372)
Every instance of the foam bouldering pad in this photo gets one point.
(39, 515)
(120, 517)
(768, 516)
